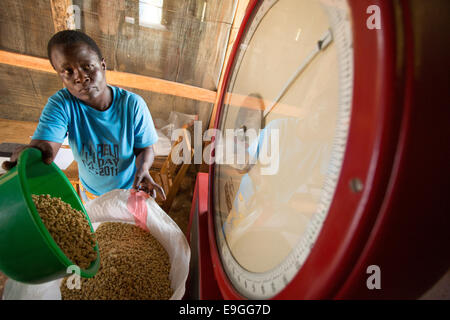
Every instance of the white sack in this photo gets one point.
(112, 207)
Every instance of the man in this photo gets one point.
(110, 130)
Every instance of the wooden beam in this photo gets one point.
(117, 78)
(160, 86)
(25, 61)
(62, 19)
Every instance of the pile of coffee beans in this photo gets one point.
(69, 228)
(134, 266)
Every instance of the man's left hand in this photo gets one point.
(144, 181)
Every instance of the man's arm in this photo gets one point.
(49, 150)
(144, 161)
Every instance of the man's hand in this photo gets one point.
(144, 181)
(48, 149)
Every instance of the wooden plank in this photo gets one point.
(109, 14)
(162, 181)
(16, 131)
(170, 196)
(25, 61)
(62, 19)
(26, 26)
(161, 86)
(72, 171)
(33, 88)
(25, 99)
(161, 105)
(117, 78)
(19, 112)
(188, 51)
(187, 48)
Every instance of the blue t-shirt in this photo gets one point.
(102, 142)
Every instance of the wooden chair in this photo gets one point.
(164, 171)
(170, 175)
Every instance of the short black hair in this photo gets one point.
(70, 37)
(248, 118)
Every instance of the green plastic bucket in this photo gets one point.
(28, 252)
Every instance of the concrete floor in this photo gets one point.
(179, 212)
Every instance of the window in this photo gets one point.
(150, 13)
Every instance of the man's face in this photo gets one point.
(81, 70)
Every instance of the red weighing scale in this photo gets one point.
(352, 97)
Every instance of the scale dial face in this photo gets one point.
(291, 85)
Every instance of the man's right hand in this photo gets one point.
(48, 149)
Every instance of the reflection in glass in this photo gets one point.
(265, 206)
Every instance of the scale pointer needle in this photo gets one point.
(322, 44)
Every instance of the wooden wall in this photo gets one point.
(24, 92)
(188, 48)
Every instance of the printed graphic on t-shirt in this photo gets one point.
(101, 159)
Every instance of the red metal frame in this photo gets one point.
(410, 240)
(369, 156)
(207, 286)
(199, 198)
(354, 227)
